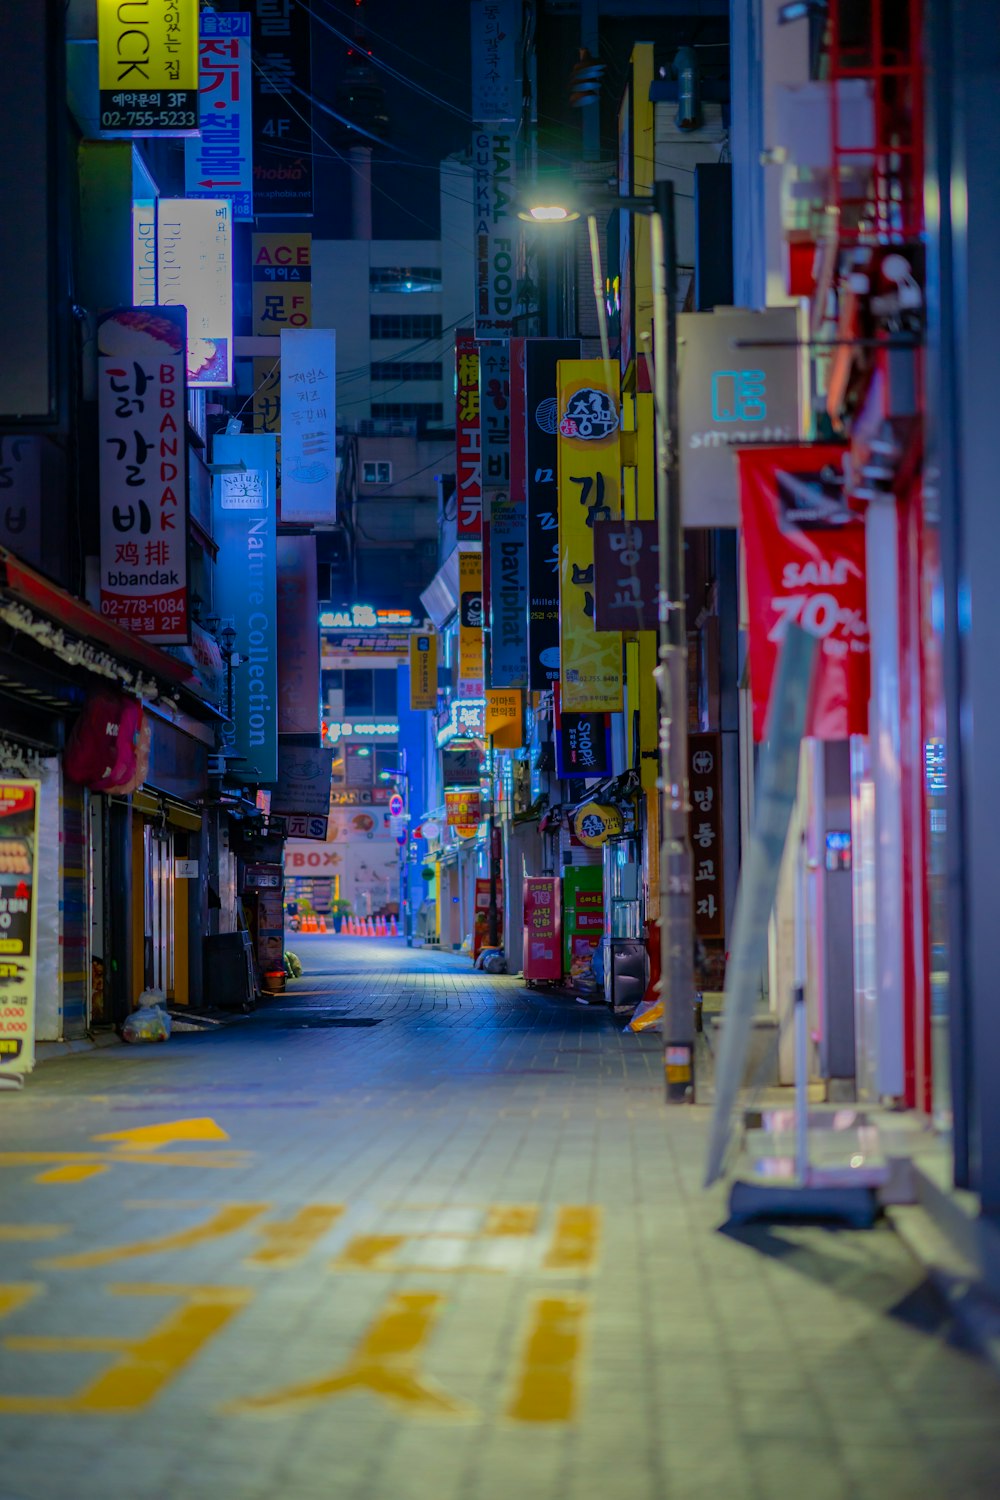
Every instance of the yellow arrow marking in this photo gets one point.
(133, 1158)
(384, 1364)
(289, 1240)
(226, 1221)
(576, 1240)
(16, 1294)
(16, 1232)
(149, 1137)
(80, 1173)
(546, 1389)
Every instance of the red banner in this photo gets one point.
(805, 563)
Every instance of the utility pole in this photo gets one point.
(676, 883)
(493, 916)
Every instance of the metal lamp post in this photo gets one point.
(401, 775)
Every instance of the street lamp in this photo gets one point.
(676, 884)
(400, 774)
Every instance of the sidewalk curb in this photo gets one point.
(47, 1051)
(955, 1281)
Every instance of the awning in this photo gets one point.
(440, 597)
(81, 638)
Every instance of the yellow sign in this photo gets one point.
(590, 664)
(147, 65)
(470, 625)
(282, 282)
(505, 718)
(18, 924)
(594, 823)
(423, 672)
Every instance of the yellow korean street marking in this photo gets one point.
(147, 1364)
(369, 1252)
(511, 1218)
(577, 1239)
(384, 1364)
(79, 1173)
(226, 1221)
(288, 1240)
(15, 1294)
(18, 1232)
(102, 1159)
(546, 1389)
(151, 1137)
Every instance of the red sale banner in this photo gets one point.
(805, 564)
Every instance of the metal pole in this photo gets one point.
(676, 883)
(406, 866)
(493, 921)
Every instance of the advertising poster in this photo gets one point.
(423, 672)
(463, 809)
(305, 776)
(805, 565)
(281, 272)
(470, 626)
(282, 109)
(194, 269)
(219, 162)
(542, 928)
(496, 232)
(148, 74)
(244, 525)
(141, 413)
(308, 426)
(468, 448)
(298, 636)
(590, 668)
(541, 358)
(18, 924)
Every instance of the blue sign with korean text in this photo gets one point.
(219, 162)
(244, 525)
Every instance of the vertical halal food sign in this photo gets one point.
(147, 53)
(142, 404)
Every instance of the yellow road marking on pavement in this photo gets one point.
(147, 1364)
(150, 1137)
(511, 1218)
(132, 1158)
(546, 1389)
(367, 1252)
(226, 1221)
(384, 1364)
(78, 1173)
(577, 1239)
(15, 1294)
(9, 1232)
(288, 1240)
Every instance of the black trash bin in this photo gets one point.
(229, 975)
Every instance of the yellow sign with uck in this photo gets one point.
(147, 66)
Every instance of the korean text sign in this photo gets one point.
(496, 36)
(423, 671)
(626, 574)
(194, 269)
(282, 108)
(308, 426)
(219, 162)
(805, 565)
(245, 526)
(282, 282)
(468, 439)
(18, 924)
(705, 828)
(147, 63)
(541, 356)
(142, 410)
(590, 666)
(470, 625)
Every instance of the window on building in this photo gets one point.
(384, 693)
(376, 471)
(407, 411)
(405, 278)
(405, 326)
(370, 692)
(416, 369)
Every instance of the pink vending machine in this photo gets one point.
(542, 929)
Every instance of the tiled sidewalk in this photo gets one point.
(460, 1254)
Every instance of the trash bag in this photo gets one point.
(293, 965)
(150, 1022)
(494, 962)
(648, 1017)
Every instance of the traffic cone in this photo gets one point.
(350, 927)
(371, 927)
(380, 930)
(322, 924)
(393, 929)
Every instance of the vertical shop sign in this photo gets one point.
(144, 252)
(503, 542)
(542, 928)
(282, 109)
(219, 162)
(244, 526)
(496, 36)
(308, 426)
(468, 438)
(147, 66)
(305, 778)
(142, 410)
(21, 496)
(298, 636)
(463, 808)
(805, 565)
(267, 396)
(496, 238)
(626, 575)
(282, 282)
(470, 625)
(541, 464)
(194, 269)
(705, 828)
(590, 666)
(505, 717)
(423, 672)
(18, 924)
(583, 743)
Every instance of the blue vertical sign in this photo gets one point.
(244, 524)
(219, 162)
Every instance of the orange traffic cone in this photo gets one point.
(371, 927)
(380, 927)
(322, 924)
(393, 929)
(349, 929)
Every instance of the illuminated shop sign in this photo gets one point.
(466, 717)
(147, 65)
(364, 617)
(182, 256)
(354, 729)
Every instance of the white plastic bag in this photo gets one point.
(150, 1022)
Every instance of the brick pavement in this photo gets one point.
(461, 1254)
